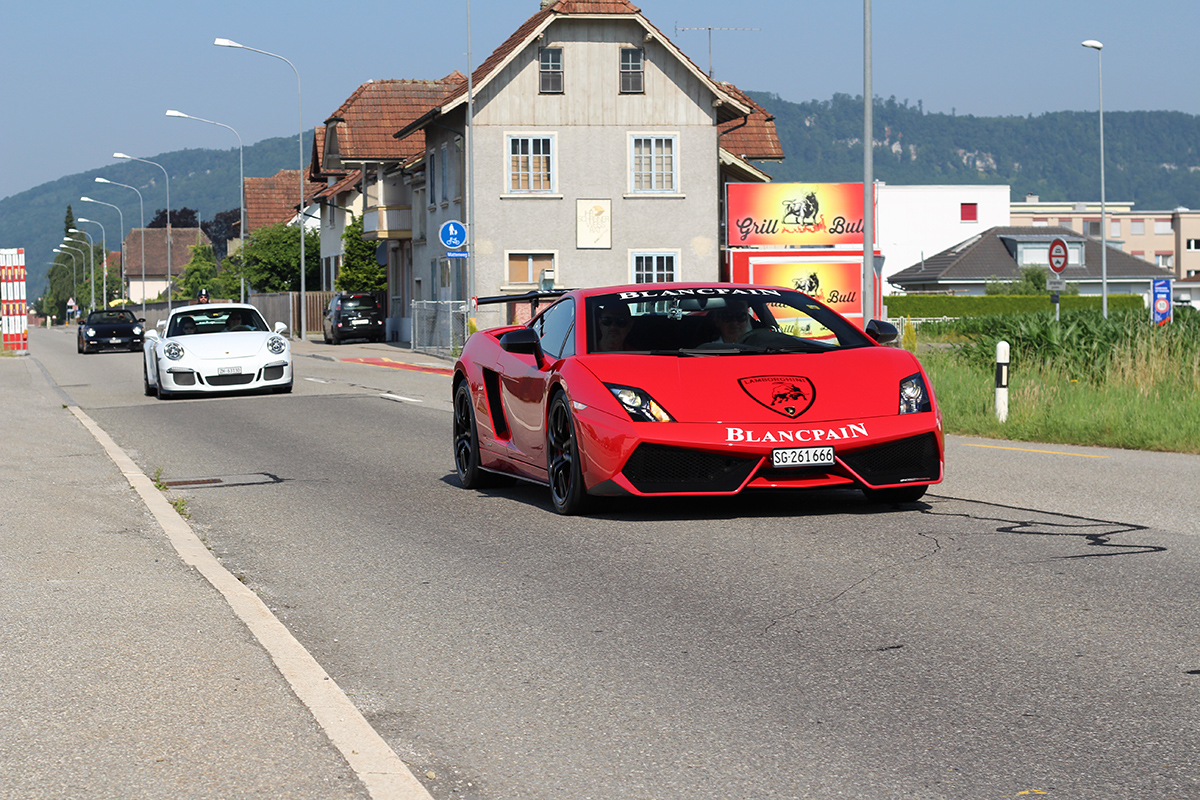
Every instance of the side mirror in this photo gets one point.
(882, 332)
(280, 327)
(150, 334)
(524, 341)
(161, 325)
(141, 319)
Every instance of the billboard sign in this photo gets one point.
(1160, 301)
(794, 215)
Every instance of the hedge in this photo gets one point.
(944, 305)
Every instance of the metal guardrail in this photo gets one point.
(439, 327)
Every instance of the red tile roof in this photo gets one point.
(365, 123)
(756, 138)
(156, 250)
(351, 181)
(270, 201)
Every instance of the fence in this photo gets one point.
(439, 327)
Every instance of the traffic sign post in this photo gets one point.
(452, 234)
(1058, 263)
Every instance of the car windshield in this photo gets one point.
(111, 317)
(711, 321)
(217, 319)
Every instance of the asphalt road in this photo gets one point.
(1029, 628)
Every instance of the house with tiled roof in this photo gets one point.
(275, 200)
(599, 153)
(1000, 253)
(148, 283)
(357, 140)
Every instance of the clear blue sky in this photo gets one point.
(83, 79)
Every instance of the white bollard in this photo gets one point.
(1002, 381)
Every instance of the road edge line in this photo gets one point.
(381, 771)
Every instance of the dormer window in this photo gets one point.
(632, 70)
(550, 69)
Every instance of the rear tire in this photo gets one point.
(563, 459)
(904, 494)
(466, 443)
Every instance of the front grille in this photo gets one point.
(229, 380)
(656, 468)
(913, 459)
(184, 378)
(273, 373)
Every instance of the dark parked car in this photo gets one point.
(112, 329)
(353, 316)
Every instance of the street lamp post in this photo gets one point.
(73, 277)
(300, 106)
(103, 261)
(168, 177)
(91, 261)
(142, 217)
(241, 180)
(121, 217)
(1098, 47)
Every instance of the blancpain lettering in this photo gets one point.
(852, 431)
(699, 291)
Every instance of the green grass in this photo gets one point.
(1115, 383)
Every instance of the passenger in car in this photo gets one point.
(614, 323)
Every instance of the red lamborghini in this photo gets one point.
(690, 389)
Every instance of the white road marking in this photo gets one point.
(388, 396)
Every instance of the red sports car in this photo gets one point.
(693, 389)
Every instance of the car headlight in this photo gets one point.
(914, 396)
(640, 406)
(89, 331)
(173, 351)
(137, 330)
(276, 345)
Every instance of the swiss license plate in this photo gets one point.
(229, 370)
(114, 340)
(802, 457)
(359, 321)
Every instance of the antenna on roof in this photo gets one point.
(710, 30)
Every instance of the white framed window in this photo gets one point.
(550, 70)
(1114, 228)
(530, 163)
(632, 70)
(654, 163)
(1162, 227)
(1091, 227)
(1165, 260)
(654, 267)
(1193, 245)
(1137, 227)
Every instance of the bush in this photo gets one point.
(944, 305)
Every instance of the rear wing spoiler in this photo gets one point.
(532, 297)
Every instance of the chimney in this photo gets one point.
(1031, 198)
(548, 3)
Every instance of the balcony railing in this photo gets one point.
(388, 222)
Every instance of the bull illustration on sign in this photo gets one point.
(801, 212)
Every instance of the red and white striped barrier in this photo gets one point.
(14, 321)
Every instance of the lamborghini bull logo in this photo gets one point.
(789, 395)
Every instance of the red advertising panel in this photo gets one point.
(794, 214)
(834, 278)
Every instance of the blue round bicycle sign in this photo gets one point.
(453, 234)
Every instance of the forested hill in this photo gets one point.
(1152, 157)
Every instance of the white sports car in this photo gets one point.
(216, 348)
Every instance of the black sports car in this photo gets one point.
(112, 329)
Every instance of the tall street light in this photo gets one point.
(300, 105)
(168, 177)
(92, 260)
(121, 217)
(1098, 47)
(103, 260)
(241, 180)
(142, 209)
(71, 253)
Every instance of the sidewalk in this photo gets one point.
(123, 672)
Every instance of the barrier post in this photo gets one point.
(1002, 353)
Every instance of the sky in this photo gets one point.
(84, 79)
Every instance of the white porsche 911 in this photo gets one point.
(216, 348)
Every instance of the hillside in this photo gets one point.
(1152, 157)
(206, 180)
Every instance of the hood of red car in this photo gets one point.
(812, 387)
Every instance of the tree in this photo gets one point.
(220, 229)
(360, 271)
(200, 272)
(180, 218)
(271, 257)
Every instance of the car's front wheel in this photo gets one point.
(563, 459)
(466, 443)
(903, 494)
(158, 387)
(146, 387)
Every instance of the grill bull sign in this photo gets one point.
(794, 214)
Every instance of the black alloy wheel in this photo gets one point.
(146, 387)
(563, 459)
(466, 443)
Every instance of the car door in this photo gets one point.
(525, 380)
